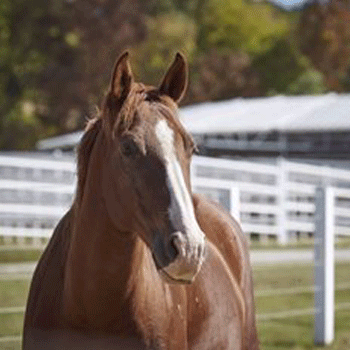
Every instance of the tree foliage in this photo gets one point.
(285, 70)
(222, 75)
(236, 25)
(20, 64)
(324, 35)
(56, 55)
(167, 34)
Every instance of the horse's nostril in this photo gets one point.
(173, 248)
(200, 250)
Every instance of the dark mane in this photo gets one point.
(83, 153)
(124, 114)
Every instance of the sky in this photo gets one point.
(293, 4)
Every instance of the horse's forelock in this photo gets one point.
(120, 115)
(123, 116)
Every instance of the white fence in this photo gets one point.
(276, 200)
(269, 199)
(34, 194)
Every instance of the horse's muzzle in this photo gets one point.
(182, 257)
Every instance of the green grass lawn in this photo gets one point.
(306, 243)
(12, 293)
(293, 333)
(13, 254)
(23, 255)
(296, 333)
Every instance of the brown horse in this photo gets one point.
(139, 262)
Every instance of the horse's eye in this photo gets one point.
(129, 147)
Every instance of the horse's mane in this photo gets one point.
(83, 152)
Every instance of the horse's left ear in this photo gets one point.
(174, 83)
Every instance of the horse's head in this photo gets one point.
(146, 176)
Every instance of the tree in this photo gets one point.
(55, 60)
(223, 75)
(97, 31)
(310, 82)
(232, 35)
(324, 36)
(167, 34)
(236, 25)
(20, 62)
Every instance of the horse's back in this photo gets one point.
(227, 236)
(45, 295)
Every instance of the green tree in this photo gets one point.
(167, 34)
(19, 65)
(310, 82)
(55, 59)
(191, 8)
(222, 75)
(236, 25)
(234, 40)
(324, 37)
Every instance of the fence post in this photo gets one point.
(324, 265)
(282, 199)
(235, 207)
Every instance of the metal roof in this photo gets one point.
(320, 113)
(62, 141)
(330, 112)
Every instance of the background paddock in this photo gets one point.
(274, 202)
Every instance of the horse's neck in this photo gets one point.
(104, 270)
(104, 266)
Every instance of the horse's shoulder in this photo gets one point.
(216, 303)
(216, 212)
(224, 232)
(47, 282)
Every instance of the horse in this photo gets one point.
(139, 261)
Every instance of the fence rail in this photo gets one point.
(270, 200)
(274, 200)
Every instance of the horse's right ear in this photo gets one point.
(122, 78)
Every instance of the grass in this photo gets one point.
(14, 254)
(306, 243)
(293, 333)
(11, 345)
(13, 293)
(296, 333)
(23, 255)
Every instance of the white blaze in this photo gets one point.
(181, 209)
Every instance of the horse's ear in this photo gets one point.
(122, 78)
(174, 83)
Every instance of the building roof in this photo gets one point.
(62, 141)
(296, 114)
(329, 112)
